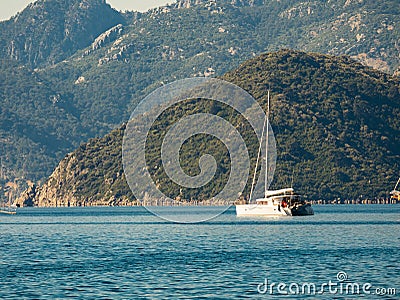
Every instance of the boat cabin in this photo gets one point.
(280, 197)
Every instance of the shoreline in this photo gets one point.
(316, 202)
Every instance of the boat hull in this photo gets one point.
(303, 210)
(8, 212)
(260, 210)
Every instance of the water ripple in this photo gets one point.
(113, 253)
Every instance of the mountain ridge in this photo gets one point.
(334, 120)
(92, 85)
(36, 40)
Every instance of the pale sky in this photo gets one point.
(9, 8)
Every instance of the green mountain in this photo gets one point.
(35, 125)
(95, 64)
(47, 32)
(336, 124)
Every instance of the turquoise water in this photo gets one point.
(127, 253)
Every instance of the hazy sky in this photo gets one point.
(8, 8)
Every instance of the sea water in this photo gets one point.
(128, 253)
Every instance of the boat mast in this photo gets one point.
(398, 181)
(266, 150)
(1, 168)
(258, 159)
(3, 196)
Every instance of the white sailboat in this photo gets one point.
(395, 194)
(284, 202)
(8, 209)
(5, 209)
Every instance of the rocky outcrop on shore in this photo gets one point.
(80, 180)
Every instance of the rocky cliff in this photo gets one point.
(72, 183)
(47, 32)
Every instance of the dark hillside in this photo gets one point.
(336, 124)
